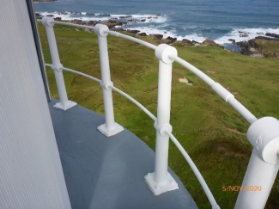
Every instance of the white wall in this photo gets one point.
(30, 169)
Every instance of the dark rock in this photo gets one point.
(272, 35)
(142, 20)
(266, 38)
(252, 43)
(186, 41)
(119, 29)
(171, 39)
(209, 42)
(128, 16)
(232, 40)
(92, 22)
(110, 25)
(195, 42)
(142, 34)
(50, 15)
(76, 21)
(57, 18)
(133, 31)
(253, 47)
(244, 47)
(243, 35)
(123, 23)
(38, 16)
(158, 36)
(111, 21)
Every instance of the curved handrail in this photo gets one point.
(220, 90)
(135, 102)
(144, 43)
(114, 88)
(175, 141)
(195, 170)
(82, 74)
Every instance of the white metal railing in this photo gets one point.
(263, 133)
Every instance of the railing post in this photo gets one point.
(263, 166)
(161, 181)
(110, 127)
(64, 103)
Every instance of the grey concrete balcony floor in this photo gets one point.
(106, 173)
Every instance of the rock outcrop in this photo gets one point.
(158, 36)
(142, 34)
(208, 42)
(253, 47)
(272, 35)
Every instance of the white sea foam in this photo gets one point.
(96, 17)
(250, 33)
(146, 17)
(71, 16)
(152, 30)
(168, 33)
(192, 37)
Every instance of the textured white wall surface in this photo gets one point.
(31, 174)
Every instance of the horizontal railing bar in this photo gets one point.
(242, 110)
(230, 99)
(115, 89)
(195, 170)
(48, 65)
(79, 73)
(135, 102)
(113, 33)
(82, 74)
(193, 69)
(144, 43)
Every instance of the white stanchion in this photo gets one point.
(161, 181)
(64, 103)
(110, 127)
(263, 165)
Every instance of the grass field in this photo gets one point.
(210, 130)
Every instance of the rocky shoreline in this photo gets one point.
(252, 47)
(116, 24)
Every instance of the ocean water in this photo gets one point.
(219, 20)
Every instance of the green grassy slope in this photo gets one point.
(210, 130)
